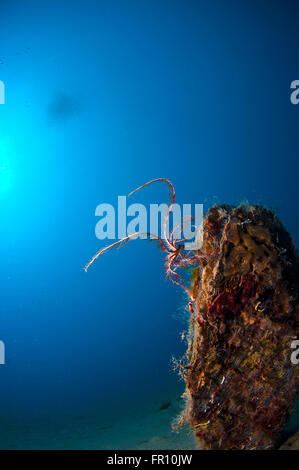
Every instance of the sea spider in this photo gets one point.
(177, 257)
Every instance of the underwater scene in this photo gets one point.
(149, 217)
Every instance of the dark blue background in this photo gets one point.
(100, 98)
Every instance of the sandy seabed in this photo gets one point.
(141, 426)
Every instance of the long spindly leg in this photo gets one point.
(179, 227)
(171, 274)
(168, 243)
(120, 243)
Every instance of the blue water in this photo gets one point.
(101, 97)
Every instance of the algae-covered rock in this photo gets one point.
(244, 317)
(240, 381)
